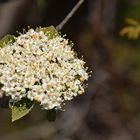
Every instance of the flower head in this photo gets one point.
(41, 69)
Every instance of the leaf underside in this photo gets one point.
(50, 31)
(21, 108)
(6, 40)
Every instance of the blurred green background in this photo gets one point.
(110, 108)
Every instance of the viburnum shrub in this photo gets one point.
(39, 66)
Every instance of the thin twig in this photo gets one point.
(70, 14)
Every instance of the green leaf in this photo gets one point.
(21, 108)
(51, 115)
(6, 40)
(50, 31)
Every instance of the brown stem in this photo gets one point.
(70, 14)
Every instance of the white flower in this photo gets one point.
(41, 69)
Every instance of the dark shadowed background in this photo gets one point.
(110, 107)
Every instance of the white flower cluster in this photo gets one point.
(41, 69)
